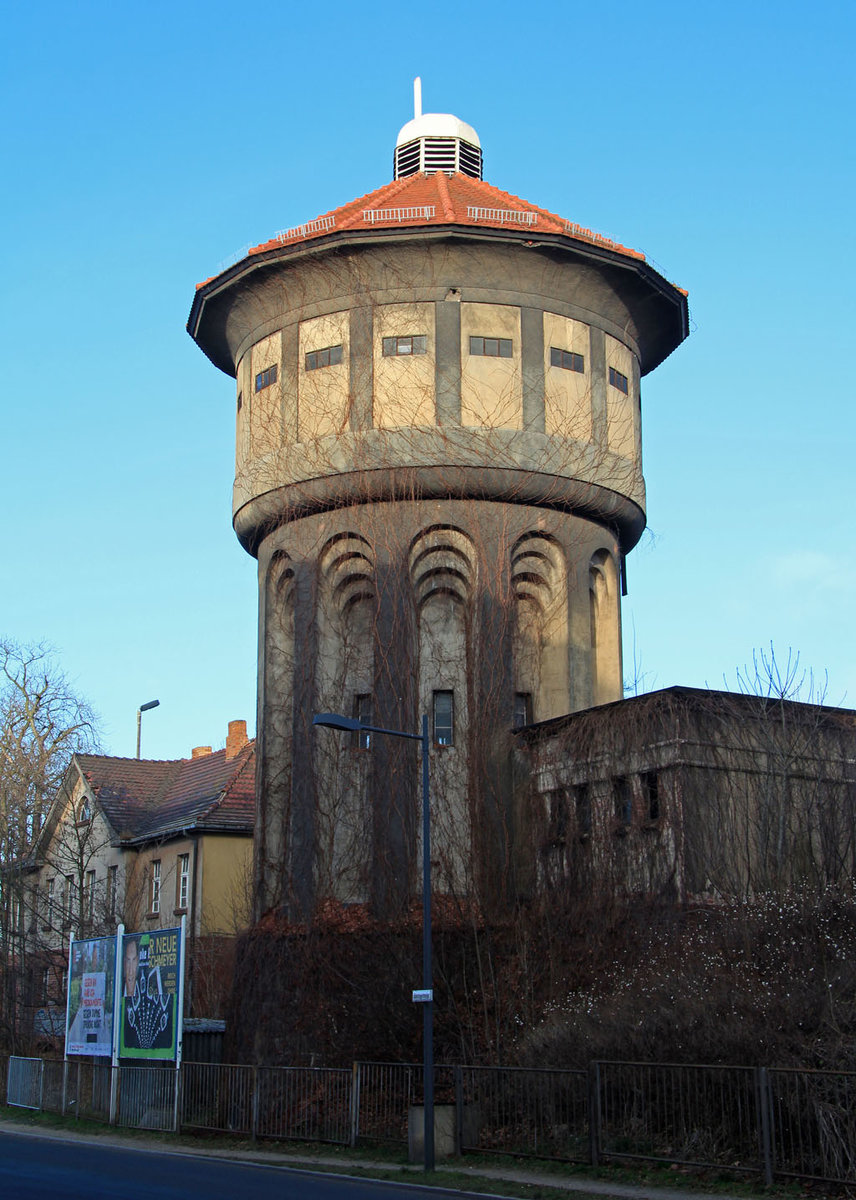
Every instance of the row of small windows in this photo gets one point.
(569, 810)
(485, 347)
(443, 719)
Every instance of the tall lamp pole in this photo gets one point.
(426, 995)
(143, 708)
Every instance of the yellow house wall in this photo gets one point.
(322, 408)
(226, 866)
(403, 385)
(491, 388)
(567, 394)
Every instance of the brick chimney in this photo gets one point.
(200, 751)
(236, 738)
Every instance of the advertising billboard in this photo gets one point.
(149, 1004)
(91, 995)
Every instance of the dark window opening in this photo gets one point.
(618, 380)
(557, 816)
(491, 347)
(623, 800)
(568, 360)
(444, 719)
(582, 811)
(363, 712)
(264, 379)
(330, 356)
(398, 346)
(651, 795)
(522, 709)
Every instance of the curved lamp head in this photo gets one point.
(337, 721)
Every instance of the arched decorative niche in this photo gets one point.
(539, 587)
(605, 628)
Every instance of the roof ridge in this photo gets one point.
(445, 198)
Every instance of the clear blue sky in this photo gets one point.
(144, 144)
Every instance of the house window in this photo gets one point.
(330, 356)
(68, 898)
(651, 795)
(363, 712)
(567, 360)
(264, 379)
(46, 984)
(491, 347)
(622, 796)
(444, 719)
(88, 895)
(154, 898)
(397, 346)
(183, 889)
(84, 812)
(618, 380)
(522, 709)
(112, 879)
(50, 896)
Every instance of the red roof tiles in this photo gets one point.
(429, 201)
(145, 799)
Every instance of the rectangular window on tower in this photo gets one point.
(363, 713)
(264, 379)
(618, 380)
(330, 356)
(567, 360)
(398, 346)
(491, 347)
(444, 719)
(522, 709)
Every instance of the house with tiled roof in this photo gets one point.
(145, 843)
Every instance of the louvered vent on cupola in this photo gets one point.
(434, 142)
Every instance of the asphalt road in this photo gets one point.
(34, 1168)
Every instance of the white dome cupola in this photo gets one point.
(434, 142)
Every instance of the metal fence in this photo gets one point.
(782, 1122)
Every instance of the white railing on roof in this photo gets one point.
(320, 225)
(419, 212)
(501, 216)
(575, 230)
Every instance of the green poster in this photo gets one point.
(151, 972)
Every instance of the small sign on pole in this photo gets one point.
(423, 996)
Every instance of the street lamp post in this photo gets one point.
(143, 708)
(426, 995)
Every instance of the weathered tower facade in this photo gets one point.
(439, 471)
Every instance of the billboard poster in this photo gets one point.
(151, 976)
(91, 991)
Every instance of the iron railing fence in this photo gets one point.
(813, 1124)
(218, 1097)
(311, 1104)
(523, 1111)
(385, 1093)
(783, 1122)
(703, 1116)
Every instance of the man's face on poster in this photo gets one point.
(132, 960)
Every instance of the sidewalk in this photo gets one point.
(306, 1162)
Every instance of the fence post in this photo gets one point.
(355, 1104)
(254, 1130)
(77, 1096)
(459, 1110)
(762, 1086)
(594, 1113)
(64, 1087)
